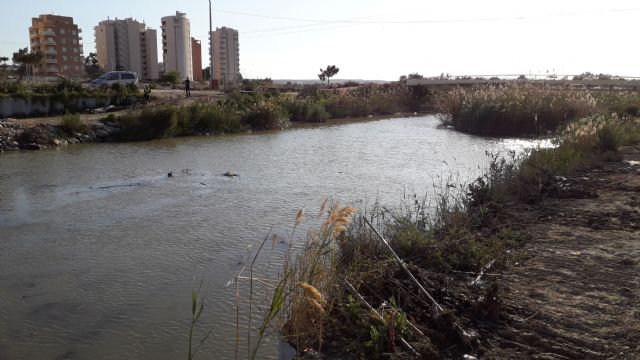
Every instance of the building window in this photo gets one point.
(66, 67)
(64, 40)
(61, 31)
(64, 58)
(75, 50)
(73, 32)
(64, 49)
(74, 41)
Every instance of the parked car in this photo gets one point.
(116, 77)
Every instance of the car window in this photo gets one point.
(128, 76)
(113, 76)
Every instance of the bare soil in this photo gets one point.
(575, 293)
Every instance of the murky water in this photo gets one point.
(99, 249)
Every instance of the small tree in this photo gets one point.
(91, 66)
(25, 59)
(328, 73)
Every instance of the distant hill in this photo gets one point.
(333, 81)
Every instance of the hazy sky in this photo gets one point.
(382, 39)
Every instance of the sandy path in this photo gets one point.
(576, 294)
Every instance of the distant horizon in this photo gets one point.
(284, 39)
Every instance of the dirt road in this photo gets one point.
(576, 292)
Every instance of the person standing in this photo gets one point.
(147, 92)
(187, 87)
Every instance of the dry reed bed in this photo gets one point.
(512, 109)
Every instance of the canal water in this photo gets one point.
(99, 249)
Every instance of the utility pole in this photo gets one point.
(211, 44)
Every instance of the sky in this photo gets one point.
(381, 39)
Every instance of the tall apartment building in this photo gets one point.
(176, 45)
(225, 50)
(127, 45)
(196, 55)
(59, 40)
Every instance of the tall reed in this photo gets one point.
(512, 109)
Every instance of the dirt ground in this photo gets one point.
(575, 293)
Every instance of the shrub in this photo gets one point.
(69, 85)
(172, 77)
(206, 118)
(608, 139)
(149, 124)
(117, 87)
(267, 116)
(310, 109)
(71, 124)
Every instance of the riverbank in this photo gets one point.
(50, 132)
(535, 259)
(236, 112)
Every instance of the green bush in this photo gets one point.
(267, 116)
(207, 118)
(71, 124)
(309, 109)
(608, 139)
(151, 123)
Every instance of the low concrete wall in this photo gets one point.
(40, 106)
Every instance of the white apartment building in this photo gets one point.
(176, 45)
(127, 45)
(225, 50)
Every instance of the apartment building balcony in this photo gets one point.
(35, 43)
(51, 61)
(50, 42)
(49, 33)
(52, 70)
(51, 52)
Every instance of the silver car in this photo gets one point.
(116, 77)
